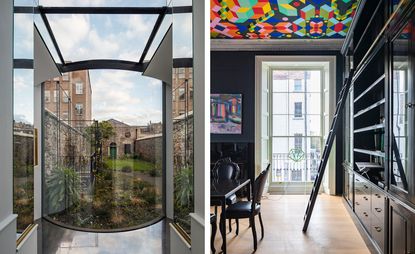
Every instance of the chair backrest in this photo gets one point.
(259, 186)
(227, 170)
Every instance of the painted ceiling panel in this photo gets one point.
(281, 19)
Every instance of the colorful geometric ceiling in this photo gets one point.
(280, 19)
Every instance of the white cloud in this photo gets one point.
(125, 96)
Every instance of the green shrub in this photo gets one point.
(63, 188)
(183, 186)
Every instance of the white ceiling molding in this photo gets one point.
(275, 44)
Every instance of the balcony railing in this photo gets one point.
(287, 169)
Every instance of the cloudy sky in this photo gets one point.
(126, 96)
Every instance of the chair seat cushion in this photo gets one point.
(241, 209)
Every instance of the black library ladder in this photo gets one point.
(327, 148)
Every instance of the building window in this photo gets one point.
(65, 96)
(79, 88)
(298, 86)
(298, 140)
(298, 109)
(55, 95)
(47, 96)
(181, 93)
(127, 149)
(79, 108)
(65, 76)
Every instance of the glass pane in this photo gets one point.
(309, 125)
(23, 36)
(295, 159)
(183, 36)
(402, 120)
(313, 81)
(280, 125)
(103, 145)
(313, 103)
(23, 148)
(101, 36)
(46, 38)
(280, 81)
(167, 21)
(280, 103)
(106, 3)
(296, 105)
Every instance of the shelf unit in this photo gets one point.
(379, 136)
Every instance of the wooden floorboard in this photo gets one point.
(331, 229)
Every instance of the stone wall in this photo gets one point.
(64, 145)
(150, 148)
(182, 142)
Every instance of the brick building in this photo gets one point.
(69, 97)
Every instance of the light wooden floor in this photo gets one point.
(331, 229)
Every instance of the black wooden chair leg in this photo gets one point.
(212, 237)
(252, 220)
(230, 225)
(262, 226)
(237, 226)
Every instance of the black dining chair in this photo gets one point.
(249, 209)
(214, 228)
(225, 169)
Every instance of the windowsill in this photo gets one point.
(298, 118)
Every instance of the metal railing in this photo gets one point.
(285, 169)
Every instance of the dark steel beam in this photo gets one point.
(103, 10)
(24, 9)
(52, 37)
(182, 62)
(23, 63)
(152, 35)
(180, 9)
(103, 64)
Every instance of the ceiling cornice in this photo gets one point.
(276, 45)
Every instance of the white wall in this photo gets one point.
(7, 219)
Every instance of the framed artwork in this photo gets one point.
(226, 113)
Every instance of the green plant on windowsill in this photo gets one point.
(63, 188)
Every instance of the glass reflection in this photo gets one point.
(23, 148)
(103, 143)
(401, 124)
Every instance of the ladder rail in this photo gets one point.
(327, 149)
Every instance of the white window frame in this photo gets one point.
(261, 90)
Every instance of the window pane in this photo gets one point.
(280, 103)
(280, 81)
(279, 125)
(313, 103)
(314, 81)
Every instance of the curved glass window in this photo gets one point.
(103, 150)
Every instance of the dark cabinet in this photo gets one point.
(370, 209)
(402, 229)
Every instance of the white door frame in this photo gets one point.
(261, 85)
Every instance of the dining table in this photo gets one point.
(220, 190)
